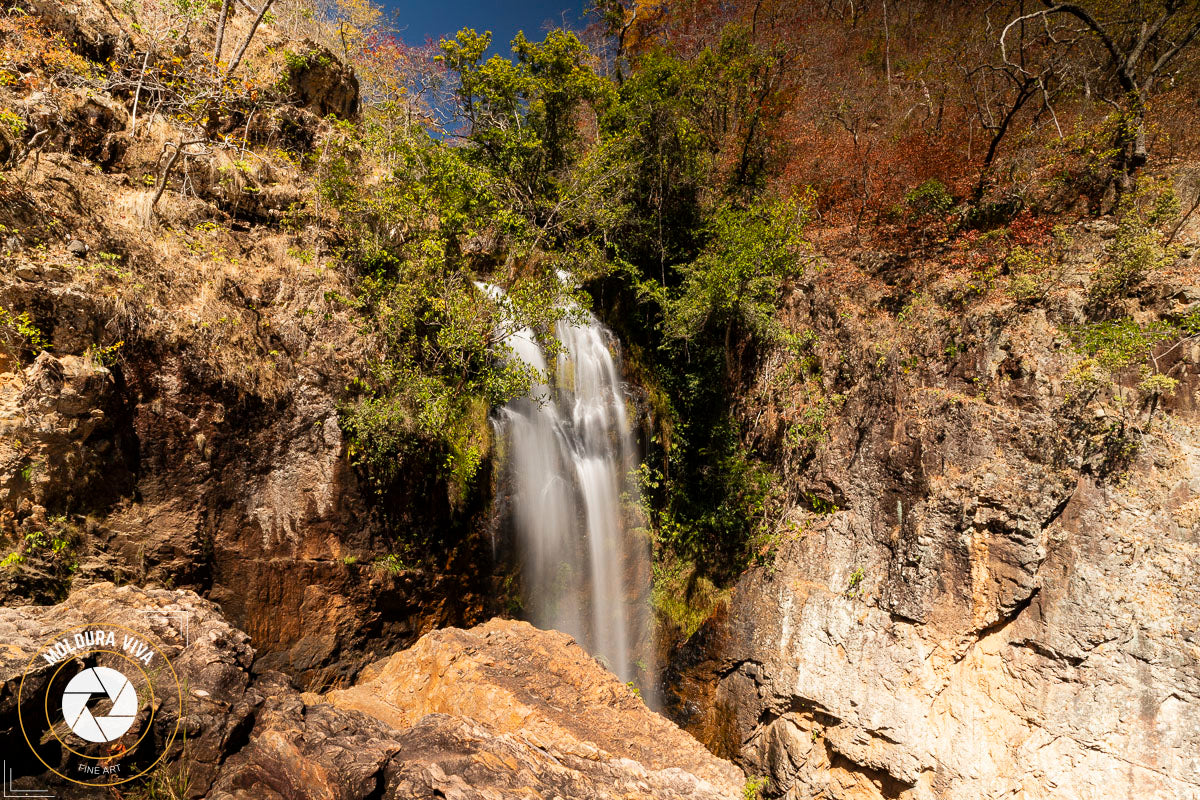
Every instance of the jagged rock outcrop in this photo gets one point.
(541, 689)
(532, 715)
(59, 435)
(320, 81)
(991, 610)
(148, 470)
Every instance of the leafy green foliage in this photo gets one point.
(737, 278)
(711, 505)
(715, 498)
(687, 135)
(392, 564)
(1111, 351)
(106, 355)
(854, 584)
(696, 255)
(441, 362)
(522, 113)
(1158, 385)
(52, 552)
(18, 332)
(1139, 248)
(755, 787)
(1116, 344)
(682, 596)
(929, 199)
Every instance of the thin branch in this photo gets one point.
(138, 95)
(237, 59)
(166, 174)
(1183, 218)
(1146, 36)
(1166, 57)
(1081, 14)
(220, 40)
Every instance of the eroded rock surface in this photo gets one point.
(536, 689)
(499, 711)
(993, 610)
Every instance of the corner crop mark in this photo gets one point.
(9, 791)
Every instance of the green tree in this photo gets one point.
(523, 115)
(441, 360)
(738, 276)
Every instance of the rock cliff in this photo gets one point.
(986, 606)
(180, 426)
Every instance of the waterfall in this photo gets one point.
(568, 451)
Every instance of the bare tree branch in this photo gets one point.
(220, 40)
(237, 59)
(166, 173)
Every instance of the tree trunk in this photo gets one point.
(220, 36)
(166, 175)
(1131, 149)
(1025, 92)
(137, 95)
(237, 58)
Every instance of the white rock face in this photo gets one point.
(1021, 628)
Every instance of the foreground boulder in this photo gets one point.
(531, 691)
(211, 658)
(499, 711)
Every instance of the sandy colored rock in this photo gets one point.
(536, 717)
(513, 679)
(211, 658)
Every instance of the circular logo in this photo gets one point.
(99, 682)
(99, 705)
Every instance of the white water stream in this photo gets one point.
(569, 450)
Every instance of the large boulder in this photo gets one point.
(211, 659)
(499, 711)
(532, 691)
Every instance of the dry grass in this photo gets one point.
(248, 307)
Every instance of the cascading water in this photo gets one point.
(569, 451)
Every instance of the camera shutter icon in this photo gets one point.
(103, 681)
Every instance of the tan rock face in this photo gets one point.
(149, 476)
(51, 415)
(534, 687)
(991, 612)
(320, 81)
(530, 715)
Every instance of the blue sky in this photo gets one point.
(437, 18)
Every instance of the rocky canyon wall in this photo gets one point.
(988, 607)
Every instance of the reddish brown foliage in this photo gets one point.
(878, 97)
